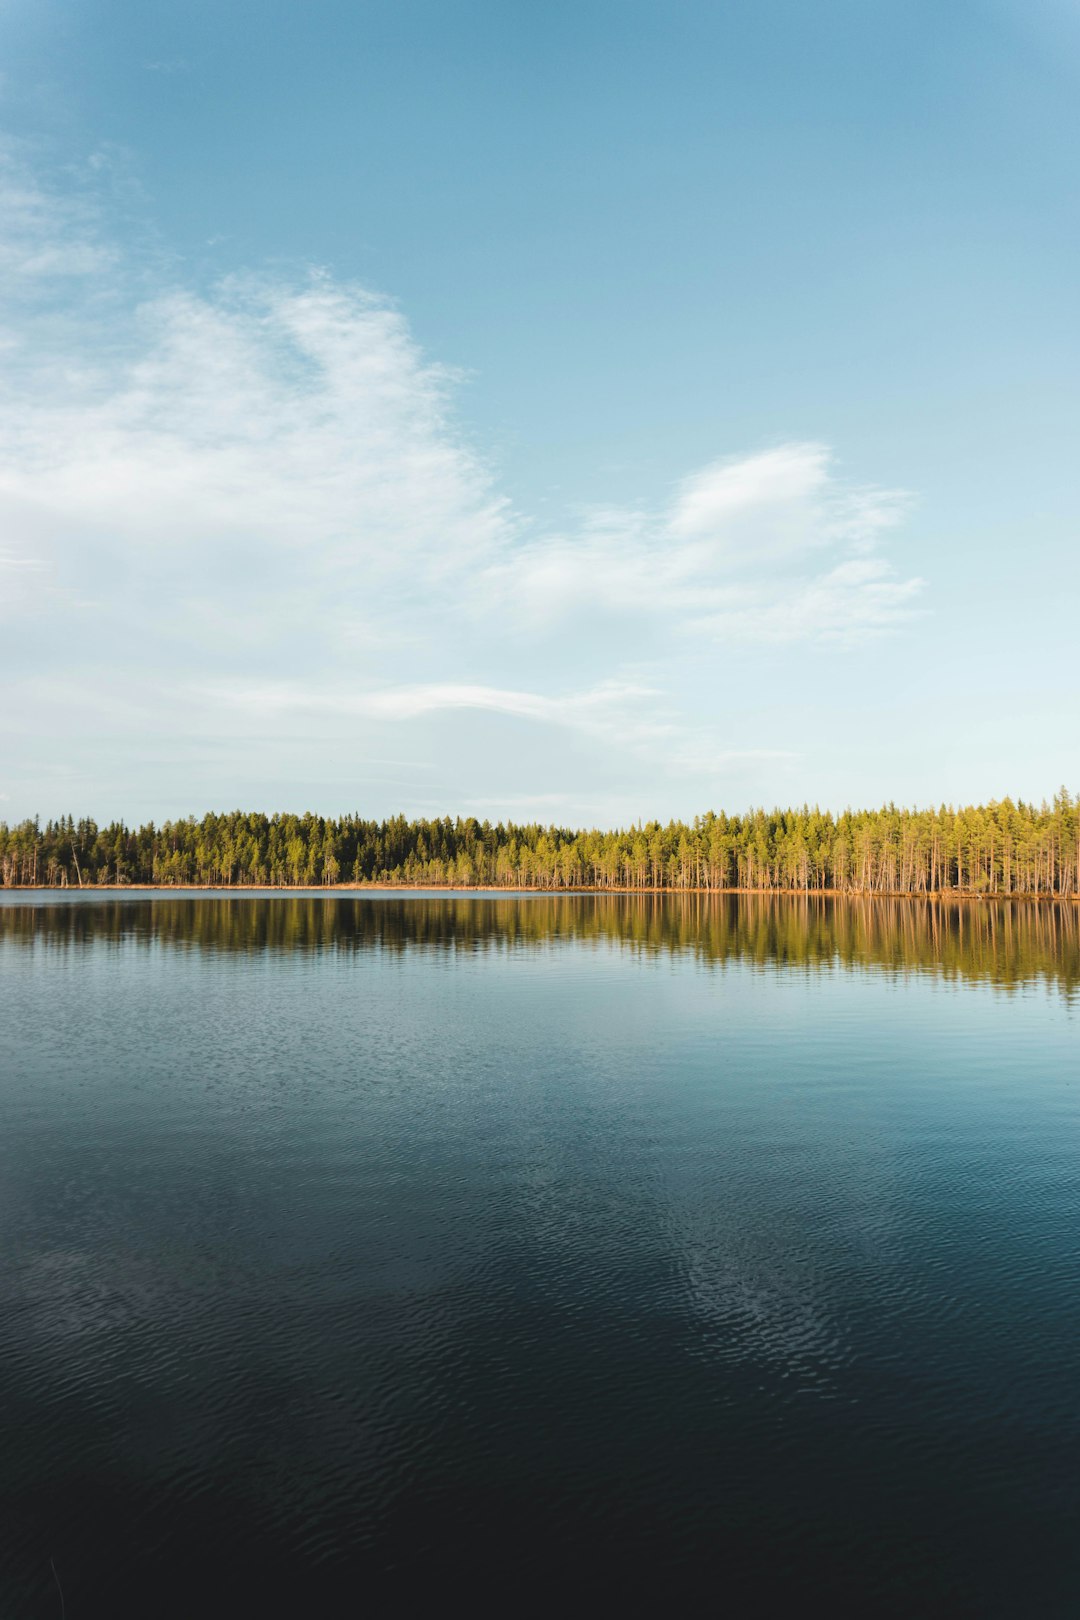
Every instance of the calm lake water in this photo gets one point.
(606, 1250)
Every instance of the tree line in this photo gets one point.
(1003, 848)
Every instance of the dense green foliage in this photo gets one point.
(1002, 848)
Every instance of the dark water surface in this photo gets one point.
(712, 1254)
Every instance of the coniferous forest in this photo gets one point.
(1002, 848)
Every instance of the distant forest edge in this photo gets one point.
(1002, 848)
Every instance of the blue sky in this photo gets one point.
(590, 411)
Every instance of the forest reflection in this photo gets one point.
(1006, 943)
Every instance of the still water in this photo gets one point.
(595, 1250)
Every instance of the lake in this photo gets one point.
(367, 1249)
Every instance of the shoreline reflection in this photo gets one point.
(1006, 943)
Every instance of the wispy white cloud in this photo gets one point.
(48, 232)
(302, 421)
(610, 709)
(857, 599)
(708, 500)
(407, 702)
(256, 502)
(747, 549)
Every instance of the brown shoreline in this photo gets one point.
(509, 893)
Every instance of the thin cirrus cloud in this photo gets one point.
(46, 236)
(256, 500)
(408, 702)
(747, 550)
(633, 713)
